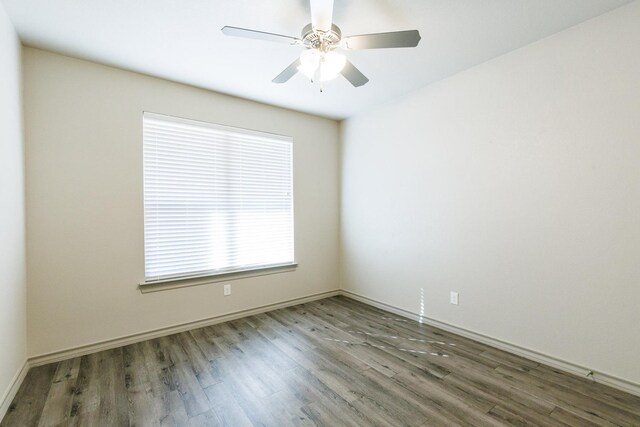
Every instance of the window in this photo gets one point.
(216, 199)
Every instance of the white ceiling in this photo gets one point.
(181, 41)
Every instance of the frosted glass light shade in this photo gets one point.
(309, 63)
(331, 65)
(316, 65)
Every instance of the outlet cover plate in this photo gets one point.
(454, 298)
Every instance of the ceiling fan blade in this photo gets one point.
(321, 14)
(355, 77)
(258, 35)
(288, 72)
(409, 38)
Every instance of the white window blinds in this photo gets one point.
(216, 199)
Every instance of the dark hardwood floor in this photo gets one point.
(332, 362)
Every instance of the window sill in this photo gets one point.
(165, 285)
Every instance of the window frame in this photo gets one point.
(223, 274)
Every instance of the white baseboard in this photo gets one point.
(15, 384)
(563, 365)
(69, 353)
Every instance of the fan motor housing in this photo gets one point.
(323, 40)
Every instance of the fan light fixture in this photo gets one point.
(321, 66)
(319, 61)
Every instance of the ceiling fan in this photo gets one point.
(321, 38)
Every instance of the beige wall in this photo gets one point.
(83, 126)
(517, 184)
(13, 290)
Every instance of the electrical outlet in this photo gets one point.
(227, 290)
(453, 298)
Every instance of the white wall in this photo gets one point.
(13, 290)
(517, 184)
(83, 126)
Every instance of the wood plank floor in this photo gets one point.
(331, 362)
